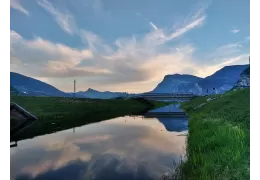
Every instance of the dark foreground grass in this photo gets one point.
(218, 144)
(56, 114)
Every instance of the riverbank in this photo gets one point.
(57, 113)
(218, 144)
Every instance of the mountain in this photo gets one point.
(244, 79)
(222, 80)
(92, 93)
(177, 83)
(13, 90)
(28, 86)
(33, 87)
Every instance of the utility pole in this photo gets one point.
(74, 89)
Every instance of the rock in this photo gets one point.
(244, 80)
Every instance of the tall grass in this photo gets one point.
(218, 144)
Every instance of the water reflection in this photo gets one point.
(121, 148)
(178, 124)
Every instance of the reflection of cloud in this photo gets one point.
(93, 139)
(68, 153)
(116, 146)
(88, 139)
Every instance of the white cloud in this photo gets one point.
(228, 49)
(64, 19)
(247, 38)
(134, 66)
(235, 31)
(46, 59)
(188, 27)
(131, 63)
(204, 71)
(15, 4)
(160, 36)
(153, 26)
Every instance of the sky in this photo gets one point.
(125, 45)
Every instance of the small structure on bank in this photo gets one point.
(19, 118)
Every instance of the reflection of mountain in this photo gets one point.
(107, 150)
(174, 124)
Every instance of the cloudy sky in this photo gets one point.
(125, 45)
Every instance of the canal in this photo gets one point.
(130, 147)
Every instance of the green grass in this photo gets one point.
(218, 144)
(57, 114)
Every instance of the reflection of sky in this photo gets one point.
(125, 147)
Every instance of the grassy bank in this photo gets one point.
(57, 114)
(218, 145)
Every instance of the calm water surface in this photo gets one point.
(120, 148)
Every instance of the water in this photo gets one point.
(122, 148)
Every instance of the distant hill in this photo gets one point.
(177, 83)
(13, 90)
(246, 71)
(30, 86)
(92, 93)
(223, 80)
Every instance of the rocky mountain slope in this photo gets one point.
(244, 80)
(219, 82)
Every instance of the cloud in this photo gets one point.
(63, 18)
(228, 49)
(68, 152)
(153, 26)
(135, 64)
(15, 4)
(132, 63)
(144, 142)
(46, 59)
(246, 39)
(97, 5)
(188, 27)
(161, 36)
(204, 71)
(235, 31)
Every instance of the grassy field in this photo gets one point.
(57, 114)
(218, 144)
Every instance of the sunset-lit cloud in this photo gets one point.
(117, 58)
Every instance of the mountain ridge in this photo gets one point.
(222, 80)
